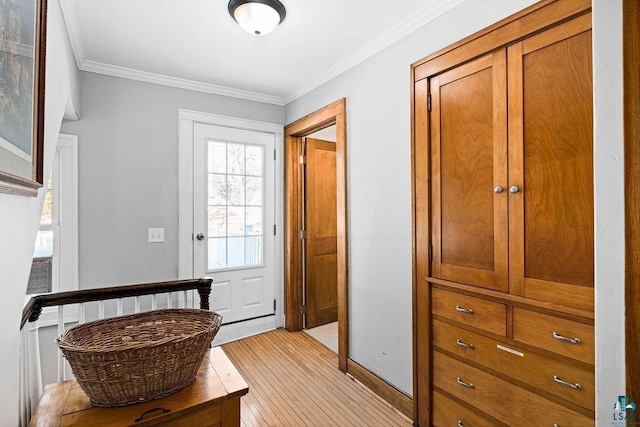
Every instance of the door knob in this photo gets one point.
(498, 189)
(514, 189)
(200, 236)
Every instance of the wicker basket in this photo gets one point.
(139, 357)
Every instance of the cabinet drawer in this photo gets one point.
(505, 401)
(553, 334)
(475, 312)
(449, 413)
(526, 366)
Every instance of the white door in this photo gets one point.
(234, 217)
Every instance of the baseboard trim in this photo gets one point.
(240, 330)
(389, 393)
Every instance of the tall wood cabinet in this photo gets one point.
(503, 221)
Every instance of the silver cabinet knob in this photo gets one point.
(498, 189)
(514, 189)
(200, 236)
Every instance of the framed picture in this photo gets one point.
(22, 73)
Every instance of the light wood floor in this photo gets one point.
(294, 381)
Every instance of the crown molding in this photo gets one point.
(73, 29)
(426, 14)
(159, 79)
(423, 16)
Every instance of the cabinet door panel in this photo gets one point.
(551, 163)
(468, 160)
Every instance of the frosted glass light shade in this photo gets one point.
(257, 17)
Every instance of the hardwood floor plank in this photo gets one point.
(362, 409)
(259, 402)
(319, 399)
(294, 381)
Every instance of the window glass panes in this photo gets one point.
(235, 250)
(217, 189)
(235, 204)
(235, 220)
(253, 250)
(41, 276)
(254, 161)
(217, 221)
(235, 157)
(254, 191)
(253, 224)
(217, 157)
(47, 208)
(217, 253)
(235, 190)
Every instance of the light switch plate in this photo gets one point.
(156, 235)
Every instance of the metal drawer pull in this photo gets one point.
(566, 384)
(565, 339)
(464, 310)
(462, 383)
(460, 423)
(464, 345)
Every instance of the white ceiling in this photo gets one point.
(196, 44)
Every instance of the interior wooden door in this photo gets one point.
(551, 165)
(469, 173)
(321, 262)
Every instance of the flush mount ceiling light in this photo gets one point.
(257, 17)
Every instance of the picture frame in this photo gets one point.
(23, 31)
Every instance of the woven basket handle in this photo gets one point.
(164, 411)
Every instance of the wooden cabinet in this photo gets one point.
(551, 163)
(468, 155)
(503, 222)
(495, 197)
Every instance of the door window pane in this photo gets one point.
(217, 189)
(217, 221)
(217, 159)
(217, 253)
(235, 188)
(235, 205)
(254, 161)
(254, 191)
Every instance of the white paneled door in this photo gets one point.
(234, 217)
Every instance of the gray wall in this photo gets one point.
(128, 174)
(379, 184)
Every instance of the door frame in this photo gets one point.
(186, 121)
(334, 113)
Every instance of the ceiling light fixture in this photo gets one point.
(257, 17)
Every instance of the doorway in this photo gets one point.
(316, 240)
(230, 224)
(234, 208)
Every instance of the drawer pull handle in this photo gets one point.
(150, 411)
(464, 310)
(460, 423)
(464, 344)
(463, 384)
(566, 339)
(575, 386)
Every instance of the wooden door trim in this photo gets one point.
(631, 81)
(334, 113)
